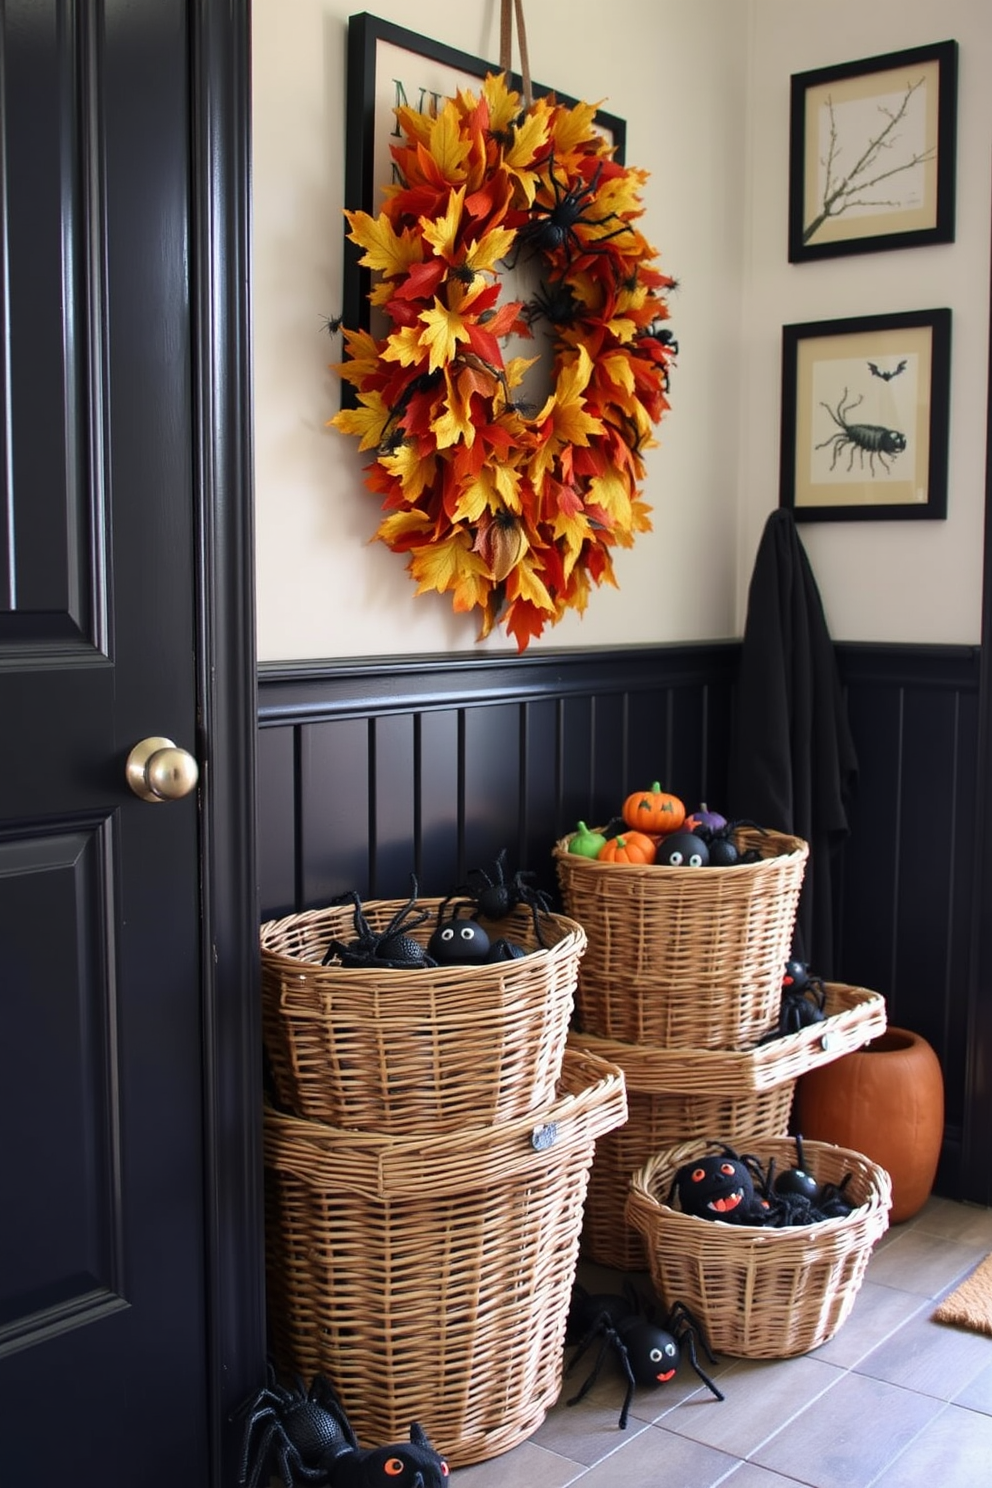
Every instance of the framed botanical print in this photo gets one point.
(872, 154)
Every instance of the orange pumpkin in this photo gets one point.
(631, 847)
(654, 811)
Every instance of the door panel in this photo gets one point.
(102, 1249)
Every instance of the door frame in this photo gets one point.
(976, 1149)
(220, 306)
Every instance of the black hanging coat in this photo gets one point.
(793, 766)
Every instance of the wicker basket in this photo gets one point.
(854, 1017)
(684, 958)
(656, 1121)
(404, 1051)
(430, 1279)
(762, 1293)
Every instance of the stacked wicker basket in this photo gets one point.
(426, 1173)
(681, 979)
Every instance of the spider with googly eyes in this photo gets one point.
(465, 942)
(649, 1352)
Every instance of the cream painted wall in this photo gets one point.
(323, 591)
(880, 581)
(704, 87)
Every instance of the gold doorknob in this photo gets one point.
(159, 771)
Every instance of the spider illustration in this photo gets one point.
(649, 1352)
(391, 947)
(552, 226)
(303, 1436)
(495, 896)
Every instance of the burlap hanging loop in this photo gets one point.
(507, 10)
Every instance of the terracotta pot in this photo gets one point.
(885, 1101)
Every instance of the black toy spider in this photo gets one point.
(649, 1352)
(552, 226)
(464, 942)
(735, 1188)
(305, 1437)
(391, 947)
(494, 896)
(803, 998)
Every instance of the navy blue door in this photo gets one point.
(106, 1353)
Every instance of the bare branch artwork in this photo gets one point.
(842, 192)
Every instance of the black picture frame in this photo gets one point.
(372, 45)
(900, 187)
(865, 417)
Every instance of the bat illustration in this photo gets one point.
(887, 376)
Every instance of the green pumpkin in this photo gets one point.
(585, 842)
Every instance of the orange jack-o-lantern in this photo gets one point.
(654, 811)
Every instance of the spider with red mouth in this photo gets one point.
(649, 1352)
(720, 1186)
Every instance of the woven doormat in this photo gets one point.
(970, 1304)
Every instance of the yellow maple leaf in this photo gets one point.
(442, 232)
(572, 126)
(369, 421)
(362, 360)
(571, 530)
(504, 103)
(528, 137)
(456, 421)
(524, 582)
(385, 250)
(449, 565)
(413, 123)
(565, 411)
(404, 346)
(491, 247)
(446, 143)
(443, 329)
(611, 491)
(618, 369)
(414, 472)
(399, 527)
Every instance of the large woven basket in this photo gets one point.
(430, 1279)
(678, 1095)
(430, 1049)
(854, 1016)
(762, 1293)
(687, 958)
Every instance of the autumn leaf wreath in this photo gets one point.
(510, 508)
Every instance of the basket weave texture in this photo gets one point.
(429, 1049)
(684, 958)
(855, 1015)
(762, 1293)
(430, 1279)
(657, 1121)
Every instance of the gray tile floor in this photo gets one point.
(894, 1400)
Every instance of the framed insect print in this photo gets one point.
(872, 154)
(389, 66)
(865, 417)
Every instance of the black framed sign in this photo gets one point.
(865, 406)
(872, 154)
(389, 66)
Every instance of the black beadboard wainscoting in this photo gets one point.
(371, 772)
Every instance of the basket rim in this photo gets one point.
(879, 1190)
(660, 1070)
(573, 938)
(798, 851)
(591, 1100)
